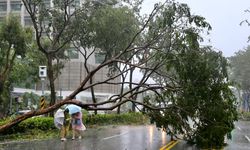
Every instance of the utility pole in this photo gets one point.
(42, 75)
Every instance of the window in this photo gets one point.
(47, 3)
(76, 3)
(72, 53)
(15, 5)
(99, 58)
(2, 19)
(27, 21)
(3, 6)
(58, 3)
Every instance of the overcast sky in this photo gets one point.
(224, 16)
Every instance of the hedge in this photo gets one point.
(47, 123)
(42, 123)
(107, 119)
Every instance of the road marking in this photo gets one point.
(171, 142)
(169, 145)
(238, 128)
(110, 137)
(247, 138)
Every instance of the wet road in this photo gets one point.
(107, 138)
(240, 137)
(127, 138)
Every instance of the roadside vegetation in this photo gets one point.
(244, 116)
(44, 128)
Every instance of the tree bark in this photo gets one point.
(130, 86)
(92, 92)
(51, 82)
(121, 92)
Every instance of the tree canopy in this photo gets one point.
(15, 42)
(196, 91)
(240, 68)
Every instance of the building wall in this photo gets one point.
(14, 7)
(73, 72)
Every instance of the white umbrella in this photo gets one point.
(59, 118)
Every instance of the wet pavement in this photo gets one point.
(182, 145)
(240, 137)
(127, 138)
(105, 138)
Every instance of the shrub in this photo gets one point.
(116, 119)
(47, 123)
(244, 115)
(42, 123)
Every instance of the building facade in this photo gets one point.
(16, 8)
(74, 71)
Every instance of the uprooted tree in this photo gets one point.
(190, 95)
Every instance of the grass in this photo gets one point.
(30, 134)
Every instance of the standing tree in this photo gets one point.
(100, 40)
(240, 68)
(14, 43)
(240, 74)
(54, 30)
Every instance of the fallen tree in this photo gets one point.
(166, 48)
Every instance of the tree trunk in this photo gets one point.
(122, 86)
(51, 82)
(130, 86)
(1, 85)
(1, 90)
(4, 96)
(92, 93)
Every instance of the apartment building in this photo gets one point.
(74, 71)
(16, 8)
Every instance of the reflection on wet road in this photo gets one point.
(106, 138)
(240, 137)
(127, 138)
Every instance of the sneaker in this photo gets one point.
(80, 137)
(63, 139)
(73, 138)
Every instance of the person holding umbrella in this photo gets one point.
(77, 125)
(66, 124)
(76, 118)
